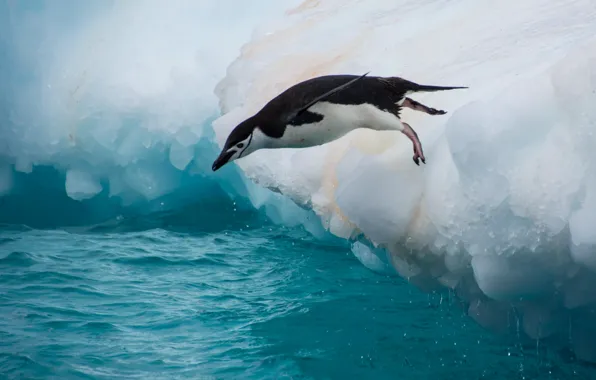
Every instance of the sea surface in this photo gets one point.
(132, 301)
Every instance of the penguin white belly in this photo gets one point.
(338, 120)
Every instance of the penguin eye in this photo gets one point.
(240, 145)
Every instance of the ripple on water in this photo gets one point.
(100, 327)
(17, 259)
(6, 240)
(162, 261)
(16, 366)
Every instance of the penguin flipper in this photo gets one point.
(296, 113)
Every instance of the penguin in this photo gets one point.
(324, 108)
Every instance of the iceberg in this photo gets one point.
(117, 108)
(501, 213)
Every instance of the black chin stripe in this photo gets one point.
(247, 144)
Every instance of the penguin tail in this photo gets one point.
(401, 86)
(426, 88)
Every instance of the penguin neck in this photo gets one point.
(260, 140)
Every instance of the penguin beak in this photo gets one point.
(223, 159)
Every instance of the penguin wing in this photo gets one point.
(296, 112)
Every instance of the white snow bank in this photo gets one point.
(501, 212)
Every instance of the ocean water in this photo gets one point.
(258, 302)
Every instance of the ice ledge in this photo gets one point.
(501, 213)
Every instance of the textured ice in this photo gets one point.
(502, 211)
(119, 98)
(81, 185)
(5, 179)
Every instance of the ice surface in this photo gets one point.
(81, 185)
(5, 179)
(502, 211)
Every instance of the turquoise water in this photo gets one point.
(125, 301)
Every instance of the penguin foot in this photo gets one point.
(417, 106)
(434, 111)
(418, 156)
(417, 160)
(413, 136)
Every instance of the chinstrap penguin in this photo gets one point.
(322, 109)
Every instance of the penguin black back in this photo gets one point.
(292, 104)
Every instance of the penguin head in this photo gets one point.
(240, 143)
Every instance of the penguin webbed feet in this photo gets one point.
(413, 136)
(434, 111)
(417, 106)
(417, 158)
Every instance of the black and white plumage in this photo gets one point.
(322, 109)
